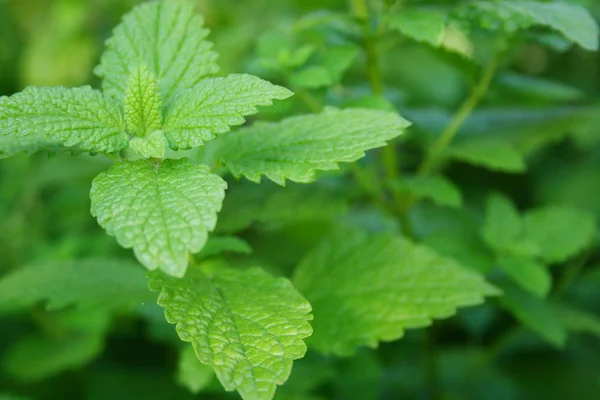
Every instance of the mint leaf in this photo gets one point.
(496, 156)
(154, 145)
(527, 273)
(422, 25)
(559, 232)
(84, 283)
(142, 102)
(296, 147)
(369, 289)
(221, 244)
(79, 117)
(437, 188)
(578, 320)
(246, 324)
(311, 77)
(163, 212)
(168, 37)
(535, 313)
(502, 225)
(191, 373)
(197, 115)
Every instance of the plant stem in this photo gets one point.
(464, 111)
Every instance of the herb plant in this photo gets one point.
(253, 266)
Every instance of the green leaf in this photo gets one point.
(527, 273)
(535, 313)
(142, 102)
(169, 38)
(36, 357)
(422, 25)
(437, 188)
(198, 114)
(578, 320)
(153, 145)
(79, 117)
(84, 283)
(559, 232)
(221, 244)
(296, 147)
(369, 289)
(502, 225)
(311, 77)
(191, 373)
(496, 156)
(163, 212)
(246, 324)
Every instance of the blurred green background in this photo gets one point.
(544, 103)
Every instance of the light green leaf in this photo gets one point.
(559, 232)
(422, 25)
(191, 373)
(535, 313)
(496, 156)
(578, 320)
(369, 289)
(198, 114)
(142, 102)
(221, 244)
(84, 283)
(79, 117)
(246, 324)
(502, 225)
(296, 147)
(169, 38)
(527, 273)
(337, 59)
(36, 358)
(437, 188)
(153, 145)
(311, 77)
(163, 212)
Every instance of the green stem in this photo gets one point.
(436, 151)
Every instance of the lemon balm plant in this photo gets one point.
(177, 138)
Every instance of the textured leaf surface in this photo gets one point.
(162, 212)
(246, 324)
(496, 156)
(559, 232)
(527, 273)
(437, 188)
(296, 147)
(191, 373)
(142, 102)
(153, 145)
(85, 283)
(198, 114)
(421, 25)
(79, 117)
(535, 313)
(368, 289)
(169, 38)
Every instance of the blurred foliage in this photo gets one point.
(518, 199)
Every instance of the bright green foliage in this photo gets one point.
(163, 212)
(326, 71)
(528, 273)
(78, 338)
(496, 156)
(572, 20)
(168, 37)
(502, 225)
(369, 289)
(551, 231)
(198, 114)
(191, 373)
(423, 25)
(437, 188)
(221, 244)
(86, 284)
(536, 314)
(578, 320)
(153, 145)
(142, 102)
(296, 147)
(247, 325)
(79, 117)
